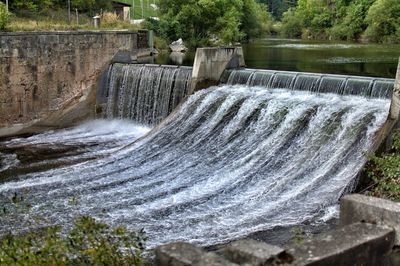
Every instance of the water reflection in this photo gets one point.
(377, 60)
(323, 57)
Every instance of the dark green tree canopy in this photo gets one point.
(198, 21)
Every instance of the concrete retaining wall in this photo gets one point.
(44, 73)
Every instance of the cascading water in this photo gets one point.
(231, 160)
(343, 85)
(145, 93)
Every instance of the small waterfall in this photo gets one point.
(145, 93)
(230, 161)
(323, 83)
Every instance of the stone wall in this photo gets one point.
(44, 72)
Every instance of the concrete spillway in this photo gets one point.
(229, 161)
(312, 82)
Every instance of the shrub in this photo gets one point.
(4, 16)
(292, 24)
(384, 21)
(88, 243)
(384, 172)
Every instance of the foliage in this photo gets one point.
(199, 21)
(277, 7)
(384, 21)
(378, 20)
(4, 16)
(29, 8)
(58, 20)
(89, 243)
(86, 242)
(298, 236)
(384, 171)
(292, 25)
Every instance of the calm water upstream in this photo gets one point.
(377, 60)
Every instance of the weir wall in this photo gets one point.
(45, 75)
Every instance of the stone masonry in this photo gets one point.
(43, 72)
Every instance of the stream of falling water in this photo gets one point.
(230, 161)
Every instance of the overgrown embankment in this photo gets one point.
(384, 172)
(366, 20)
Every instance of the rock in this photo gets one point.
(178, 46)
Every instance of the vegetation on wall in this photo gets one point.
(372, 20)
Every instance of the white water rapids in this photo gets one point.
(231, 160)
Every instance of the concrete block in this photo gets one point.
(357, 208)
(210, 63)
(185, 254)
(255, 253)
(355, 244)
(395, 103)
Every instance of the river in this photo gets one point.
(347, 58)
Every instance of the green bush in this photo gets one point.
(384, 21)
(384, 172)
(4, 16)
(198, 22)
(292, 24)
(88, 243)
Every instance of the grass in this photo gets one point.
(58, 21)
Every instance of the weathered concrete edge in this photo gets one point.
(358, 244)
(353, 244)
(360, 208)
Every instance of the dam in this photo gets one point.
(259, 150)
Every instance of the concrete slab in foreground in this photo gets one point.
(359, 208)
(355, 244)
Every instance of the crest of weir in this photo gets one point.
(313, 82)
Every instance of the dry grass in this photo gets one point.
(109, 21)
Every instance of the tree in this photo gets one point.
(4, 16)
(352, 24)
(198, 21)
(384, 21)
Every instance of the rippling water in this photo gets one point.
(230, 161)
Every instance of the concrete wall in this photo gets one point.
(210, 63)
(43, 73)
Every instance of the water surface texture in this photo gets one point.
(375, 60)
(231, 160)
